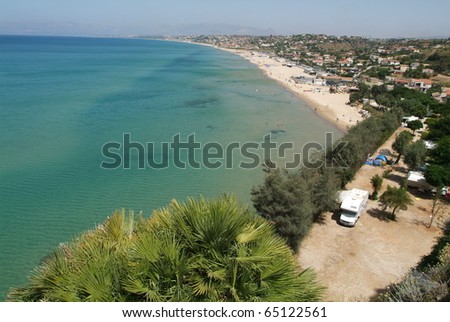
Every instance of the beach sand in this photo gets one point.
(332, 107)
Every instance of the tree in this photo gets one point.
(439, 128)
(376, 181)
(414, 106)
(415, 125)
(437, 176)
(284, 198)
(402, 140)
(438, 208)
(441, 154)
(194, 251)
(395, 198)
(355, 97)
(415, 155)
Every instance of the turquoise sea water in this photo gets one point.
(61, 99)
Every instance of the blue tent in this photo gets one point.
(382, 158)
(377, 162)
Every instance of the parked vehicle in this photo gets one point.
(353, 204)
(416, 179)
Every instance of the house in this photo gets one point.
(419, 84)
(404, 68)
(319, 82)
(428, 71)
(407, 119)
(338, 79)
(422, 84)
(414, 65)
(318, 62)
(403, 82)
(383, 61)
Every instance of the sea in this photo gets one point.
(81, 117)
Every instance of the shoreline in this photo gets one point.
(330, 107)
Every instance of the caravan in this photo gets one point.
(353, 204)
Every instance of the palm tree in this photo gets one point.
(376, 181)
(195, 251)
(395, 198)
(88, 269)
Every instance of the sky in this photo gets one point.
(375, 18)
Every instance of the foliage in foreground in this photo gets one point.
(194, 251)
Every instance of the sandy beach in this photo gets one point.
(331, 106)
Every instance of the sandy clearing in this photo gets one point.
(355, 263)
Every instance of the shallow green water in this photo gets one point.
(61, 99)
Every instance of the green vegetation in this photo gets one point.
(411, 58)
(416, 73)
(194, 251)
(437, 175)
(415, 155)
(386, 173)
(441, 154)
(402, 140)
(440, 62)
(438, 128)
(415, 125)
(438, 172)
(411, 101)
(379, 72)
(376, 182)
(395, 198)
(362, 139)
(294, 200)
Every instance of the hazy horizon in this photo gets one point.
(382, 19)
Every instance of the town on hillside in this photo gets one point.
(345, 61)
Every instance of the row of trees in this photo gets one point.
(195, 251)
(293, 200)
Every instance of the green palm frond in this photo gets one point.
(200, 250)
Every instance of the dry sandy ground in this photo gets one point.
(332, 107)
(355, 263)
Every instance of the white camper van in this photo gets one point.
(417, 180)
(353, 204)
